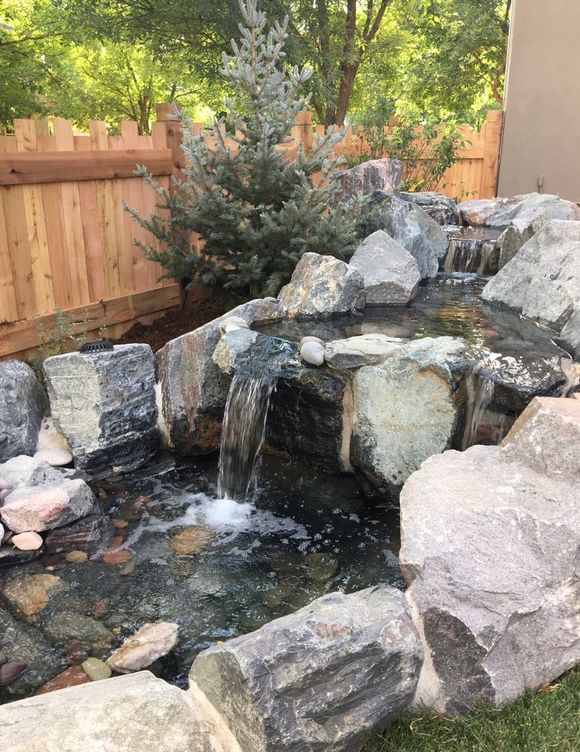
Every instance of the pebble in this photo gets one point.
(75, 653)
(148, 644)
(192, 540)
(312, 353)
(10, 671)
(72, 677)
(27, 541)
(127, 568)
(119, 523)
(96, 669)
(116, 557)
(77, 557)
(101, 608)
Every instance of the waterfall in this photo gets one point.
(471, 250)
(245, 414)
(479, 420)
(243, 432)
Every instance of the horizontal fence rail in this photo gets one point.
(66, 241)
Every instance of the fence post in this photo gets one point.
(491, 153)
(303, 130)
(170, 115)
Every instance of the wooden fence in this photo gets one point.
(66, 241)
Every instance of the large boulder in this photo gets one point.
(391, 275)
(440, 208)
(410, 226)
(310, 417)
(124, 714)
(47, 506)
(23, 404)
(322, 679)
(104, 404)
(542, 281)
(374, 175)
(476, 211)
(321, 287)
(520, 211)
(489, 551)
(193, 387)
(406, 409)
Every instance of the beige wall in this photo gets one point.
(542, 103)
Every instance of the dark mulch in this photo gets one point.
(179, 321)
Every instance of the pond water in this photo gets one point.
(216, 567)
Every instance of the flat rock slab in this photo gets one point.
(124, 714)
(104, 404)
(489, 552)
(364, 350)
(320, 680)
(23, 404)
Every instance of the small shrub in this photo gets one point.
(67, 334)
(256, 210)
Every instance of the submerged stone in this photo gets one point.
(192, 540)
(322, 679)
(104, 404)
(30, 594)
(149, 643)
(96, 669)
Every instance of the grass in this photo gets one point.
(545, 721)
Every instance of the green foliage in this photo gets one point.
(257, 210)
(426, 148)
(541, 722)
(66, 335)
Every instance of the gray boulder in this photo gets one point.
(542, 281)
(322, 679)
(23, 404)
(413, 228)
(125, 714)
(310, 417)
(104, 404)
(321, 287)
(374, 175)
(511, 240)
(391, 275)
(194, 389)
(476, 212)
(440, 208)
(489, 552)
(30, 471)
(570, 334)
(406, 409)
(523, 211)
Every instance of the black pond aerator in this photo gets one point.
(102, 345)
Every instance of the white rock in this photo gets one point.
(310, 338)
(49, 437)
(312, 353)
(29, 541)
(55, 457)
(365, 350)
(148, 644)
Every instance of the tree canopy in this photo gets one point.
(113, 59)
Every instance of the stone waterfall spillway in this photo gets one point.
(472, 250)
(245, 414)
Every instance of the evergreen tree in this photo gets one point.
(257, 210)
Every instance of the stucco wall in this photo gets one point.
(542, 104)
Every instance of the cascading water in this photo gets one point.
(482, 425)
(471, 250)
(243, 432)
(246, 411)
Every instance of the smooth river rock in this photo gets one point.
(193, 387)
(489, 550)
(542, 281)
(321, 287)
(123, 714)
(364, 350)
(104, 404)
(405, 410)
(323, 679)
(391, 275)
(23, 404)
